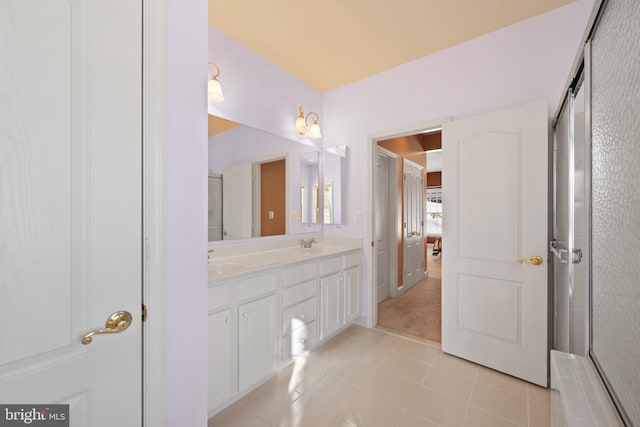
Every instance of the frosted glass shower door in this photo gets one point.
(569, 232)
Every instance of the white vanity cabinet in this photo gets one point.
(260, 320)
(352, 288)
(257, 341)
(339, 292)
(300, 309)
(222, 355)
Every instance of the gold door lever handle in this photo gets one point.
(116, 323)
(535, 260)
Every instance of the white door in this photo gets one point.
(494, 308)
(413, 252)
(215, 208)
(70, 206)
(381, 227)
(237, 202)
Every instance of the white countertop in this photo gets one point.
(231, 261)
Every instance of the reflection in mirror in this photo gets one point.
(309, 197)
(335, 164)
(252, 177)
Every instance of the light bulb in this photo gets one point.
(215, 91)
(314, 131)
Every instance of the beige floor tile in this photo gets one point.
(327, 356)
(421, 352)
(352, 346)
(539, 394)
(438, 407)
(390, 341)
(390, 387)
(375, 355)
(504, 404)
(236, 416)
(463, 367)
(539, 414)
(449, 382)
(502, 381)
(370, 335)
(479, 418)
(354, 371)
(412, 420)
(302, 374)
(364, 409)
(407, 368)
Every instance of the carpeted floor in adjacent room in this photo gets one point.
(418, 311)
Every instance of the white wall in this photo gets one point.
(522, 63)
(257, 93)
(186, 221)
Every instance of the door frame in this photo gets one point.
(154, 290)
(373, 138)
(392, 236)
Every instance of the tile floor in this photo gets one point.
(371, 378)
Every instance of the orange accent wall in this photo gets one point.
(434, 179)
(272, 198)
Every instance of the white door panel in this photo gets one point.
(413, 197)
(70, 206)
(382, 227)
(494, 308)
(237, 202)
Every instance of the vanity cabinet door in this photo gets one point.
(257, 341)
(221, 356)
(331, 304)
(351, 294)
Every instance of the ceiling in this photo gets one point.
(331, 43)
(218, 125)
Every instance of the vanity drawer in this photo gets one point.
(298, 314)
(352, 260)
(219, 297)
(302, 339)
(299, 273)
(331, 265)
(257, 286)
(299, 292)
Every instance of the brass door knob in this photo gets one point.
(535, 260)
(116, 323)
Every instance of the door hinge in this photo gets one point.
(144, 313)
(372, 243)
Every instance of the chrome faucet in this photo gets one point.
(307, 243)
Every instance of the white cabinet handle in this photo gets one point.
(302, 316)
(227, 320)
(244, 315)
(303, 340)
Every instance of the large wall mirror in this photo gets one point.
(253, 181)
(334, 173)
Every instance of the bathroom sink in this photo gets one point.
(224, 268)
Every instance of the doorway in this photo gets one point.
(408, 285)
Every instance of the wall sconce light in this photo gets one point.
(301, 124)
(215, 89)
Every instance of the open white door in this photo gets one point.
(494, 308)
(412, 244)
(70, 207)
(381, 227)
(237, 202)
